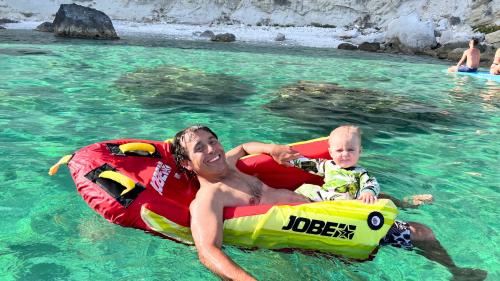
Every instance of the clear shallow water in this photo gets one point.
(425, 132)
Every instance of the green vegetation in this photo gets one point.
(486, 28)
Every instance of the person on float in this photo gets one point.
(198, 151)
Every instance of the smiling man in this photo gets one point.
(198, 151)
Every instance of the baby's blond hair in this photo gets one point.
(347, 130)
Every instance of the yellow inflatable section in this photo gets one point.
(348, 228)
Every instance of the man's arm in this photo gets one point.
(464, 56)
(206, 228)
(280, 153)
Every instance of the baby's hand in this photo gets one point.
(283, 154)
(367, 198)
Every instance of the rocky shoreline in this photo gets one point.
(445, 40)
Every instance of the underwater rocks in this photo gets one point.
(73, 20)
(181, 88)
(24, 52)
(319, 107)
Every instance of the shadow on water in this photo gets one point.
(23, 52)
(180, 88)
(318, 107)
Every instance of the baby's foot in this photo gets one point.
(419, 199)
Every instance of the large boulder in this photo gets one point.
(369, 47)
(224, 37)
(493, 38)
(456, 54)
(280, 37)
(45, 27)
(207, 34)
(412, 32)
(347, 46)
(73, 20)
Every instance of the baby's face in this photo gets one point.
(344, 149)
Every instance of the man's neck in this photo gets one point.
(214, 178)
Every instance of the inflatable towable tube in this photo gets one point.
(135, 183)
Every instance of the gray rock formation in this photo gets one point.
(280, 37)
(78, 21)
(493, 38)
(369, 47)
(1, 27)
(224, 37)
(45, 27)
(455, 54)
(484, 12)
(412, 32)
(347, 46)
(4, 20)
(207, 34)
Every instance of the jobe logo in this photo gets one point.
(318, 227)
(160, 176)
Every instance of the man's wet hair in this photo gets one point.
(475, 41)
(180, 152)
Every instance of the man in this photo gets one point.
(472, 55)
(197, 150)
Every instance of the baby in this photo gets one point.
(343, 178)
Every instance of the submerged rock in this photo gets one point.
(178, 88)
(73, 20)
(45, 27)
(318, 107)
(23, 52)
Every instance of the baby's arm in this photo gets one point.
(313, 166)
(369, 188)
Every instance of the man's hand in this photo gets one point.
(367, 198)
(283, 154)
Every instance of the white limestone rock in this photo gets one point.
(412, 32)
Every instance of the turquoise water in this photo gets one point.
(424, 132)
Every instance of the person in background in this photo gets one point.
(471, 56)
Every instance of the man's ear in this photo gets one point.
(360, 150)
(186, 163)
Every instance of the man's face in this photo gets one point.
(206, 155)
(344, 149)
